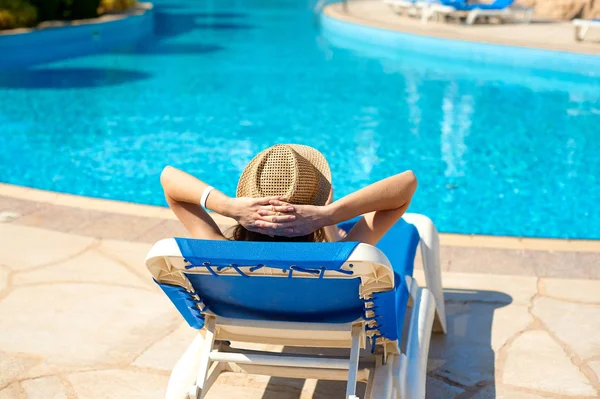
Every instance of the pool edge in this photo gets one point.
(158, 212)
(85, 37)
(332, 11)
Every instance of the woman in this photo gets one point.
(285, 194)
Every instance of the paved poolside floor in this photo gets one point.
(81, 318)
(541, 33)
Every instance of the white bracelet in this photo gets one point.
(204, 197)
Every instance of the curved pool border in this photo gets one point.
(83, 37)
(381, 40)
(378, 16)
(157, 212)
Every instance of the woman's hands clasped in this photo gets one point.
(272, 216)
(281, 218)
(245, 211)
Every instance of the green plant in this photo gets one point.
(48, 10)
(27, 13)
(17, 14)
(58, 10)
(81, 9)
(116, 5)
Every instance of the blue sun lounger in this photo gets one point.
(463, 5)
(313, 295)
(582, 26)
(504, 9)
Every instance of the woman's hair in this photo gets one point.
(239, 233)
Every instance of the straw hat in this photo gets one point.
(298, 172)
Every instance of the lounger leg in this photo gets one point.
(401, 376)
(580, 32)
(357, 330)
(184, 373)
(383, 381)
(426, 14)
(371, 381)
(389, 380)
(472, 17)
(215, 370)
(396, 361)
(430, 253)
(419, 337)
(198, 391)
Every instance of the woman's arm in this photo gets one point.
(388, 194)
(382, 203)
(183, 193)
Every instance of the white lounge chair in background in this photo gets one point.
(344, 295)
(503, 9)
(410, 7)
(582, 26)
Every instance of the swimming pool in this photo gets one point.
(510, 153)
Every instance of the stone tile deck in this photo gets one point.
(81, 318)
(460, 253)
(551, 35)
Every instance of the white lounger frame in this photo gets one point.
(582, 26)
(436, 10)
(412, 8)
(388, 372)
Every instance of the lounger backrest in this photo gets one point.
(296, 282)
(309, 282)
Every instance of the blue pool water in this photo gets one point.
(497, 150)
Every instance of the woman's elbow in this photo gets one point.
(412, 180)
(165, 176)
